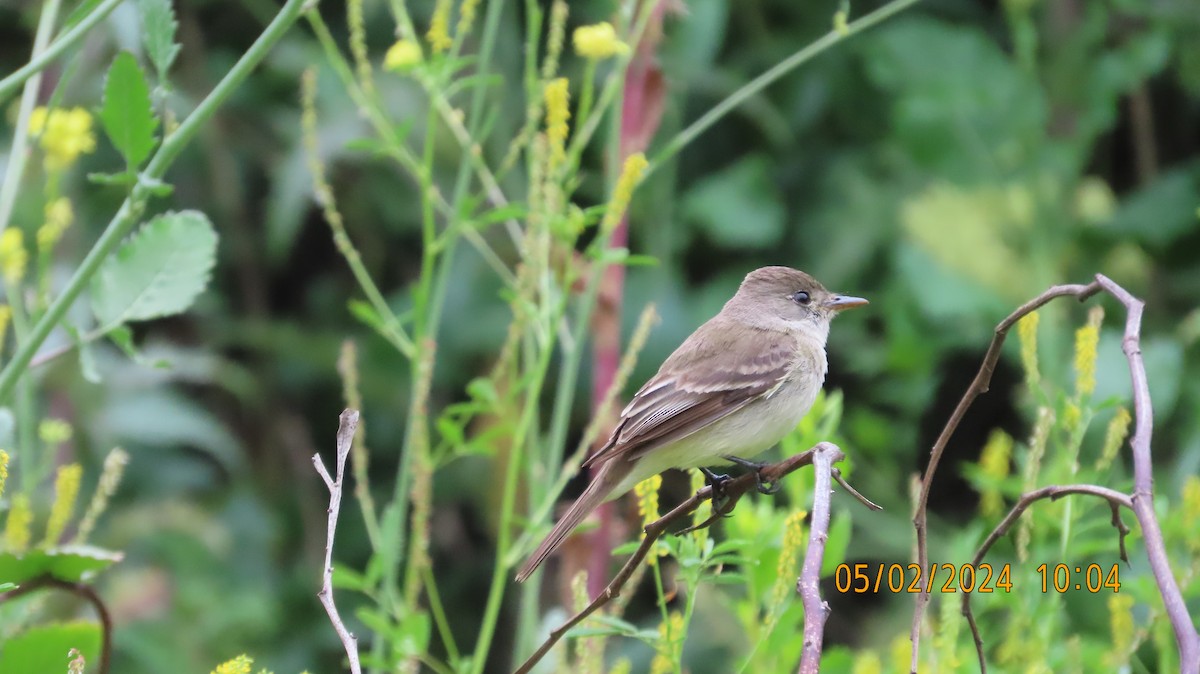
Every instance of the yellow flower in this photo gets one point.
(3, 470)
(993, 463)
(110, 478)
(670, 634)
(54, 431)
(1027, 336)
(1120, 617)
(402, 56)
(558, 111)
(13, 256)
(239, 665)
(867, 662)
(65, 134)
(631, 175)
(466, 16)
(59, 215)
(647, 498)
(66, 492)
(1191, 505)
(598, 41)
(16, 530)
(789, 555)
(439, 27)
(1087, 338)
(1114, 437)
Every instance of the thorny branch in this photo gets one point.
(1115, 500)
(824, 453)
(347, 425)
(1141, 501)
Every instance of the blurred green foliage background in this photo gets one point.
(948, 165)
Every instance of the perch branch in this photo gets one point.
(1186, 637)
(1115, 500)
(816, 609)
(734, 490)
(83, 591)
(347, 425)
(979, 385)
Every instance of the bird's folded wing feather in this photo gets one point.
(724, 371)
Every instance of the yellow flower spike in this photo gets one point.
(3, 470)
(1114, 437)
(945, 640)
(789, 557)
(439, 27)
(5, 317)
(647, 498)
(466, 17)
(598, 41)
(65, 135)
(1191, 506)
(402, 56)
(110, 479)
(622, 666)
(631, 175)
(993, 463)
(1120, 617)
(13, 256)
(54, 431)
(66, 492)
(17, 532)
(239, 665)
(1027, 329)
(59, 216)
(1087, 338)
(558, 111)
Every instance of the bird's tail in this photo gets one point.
(610, 475)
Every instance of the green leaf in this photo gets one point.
(44, 648)
(127, 113)
(158, 27)
(70, 563)
(738, 207)
(158, 272)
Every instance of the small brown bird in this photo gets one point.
(733, 389)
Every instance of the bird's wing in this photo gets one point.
(724, 371)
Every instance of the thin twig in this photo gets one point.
(83, 591)
(1186, 637)
(1115, 500)
(979, 385)
(733, 489)
(816, 610)
(347, 424)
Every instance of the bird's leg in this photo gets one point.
(764, 486)
(718, 482)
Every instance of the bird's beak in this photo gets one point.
(841, 302)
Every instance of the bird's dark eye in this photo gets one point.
(800, 297)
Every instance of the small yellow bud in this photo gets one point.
(622, 666)
(647, 498)
(1191, 504)
(466, 16)
(867, 662)
(598, 41)
(631, 175)
(1027, 336)
(789, 556)
(239, 665)
(1114, 437)
(439, 27)
(59, 216)
(17, 533)
(839, 23)
(13, 256)
(402, 56)
(3, 470)
(5, 317)
(66, 492)
(1120, 617)
(54, 431)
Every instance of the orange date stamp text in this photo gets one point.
(873, 578)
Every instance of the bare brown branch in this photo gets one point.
(978, 386)
(83, 591)
(347, 425)
(816, 610)
(1115, 499)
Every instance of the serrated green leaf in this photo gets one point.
(71, 563)
(127, 112)
(44, 648)
(158, 272)
(158, 27)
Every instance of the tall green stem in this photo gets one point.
(127, 215)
